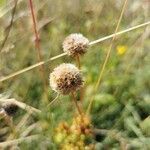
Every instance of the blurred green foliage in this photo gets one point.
(122, 102)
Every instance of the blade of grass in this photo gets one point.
(107, 58)
(7, 8)
(64, 54)
(118, 33)
(30, 67)
(8, 29)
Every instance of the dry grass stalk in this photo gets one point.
(107, 57)
(2, 79)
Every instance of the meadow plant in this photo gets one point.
(66, 79)
(112, 116)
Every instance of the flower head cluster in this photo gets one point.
(75, 44)
(74, 135)
(66, 78)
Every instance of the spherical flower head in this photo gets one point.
(75, 44)
(66, 78)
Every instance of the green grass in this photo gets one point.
(121, 104)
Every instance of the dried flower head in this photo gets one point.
(10, 108)
(66, 78)
(75, 44)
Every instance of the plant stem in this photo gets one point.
(78, 61)
(54, 100)
(64, 54)
(37, 45)
(106, 58)
(8, 29)
(76, 103)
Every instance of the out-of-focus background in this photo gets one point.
(122, 102)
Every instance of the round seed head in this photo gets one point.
(75, 44)
(66, 78)
(10, 108)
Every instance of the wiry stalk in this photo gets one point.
(54, 100)
(78, 61)
(10, 26)
(107, 57)
(118, 33)
(64, 54)
(37, 45)
(30, 67)
(76, 103)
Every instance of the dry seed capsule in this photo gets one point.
(66, 78)
(10, 108)
(75, 44)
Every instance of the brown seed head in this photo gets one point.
(75, 44)
(66, 78)
(10, 108)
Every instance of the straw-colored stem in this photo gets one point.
(79, 66)
(10, 25)
(78, 61)
(76, 103)
(64, 54)
(118, 33)
(107, 58)
(54, 100)
(31, 67)
(82, 93)
(38, 47)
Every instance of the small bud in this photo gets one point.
(75, 44)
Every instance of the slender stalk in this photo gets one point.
(30, 67)
(37, 39)
(79, 66)
(10, 25)
(82, 92)
(54, 100)
(118, 33)
(76, 103)
(64, 54)
(78, 61)
(37, 45)
(107, 57)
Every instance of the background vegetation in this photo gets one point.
(122, 102)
